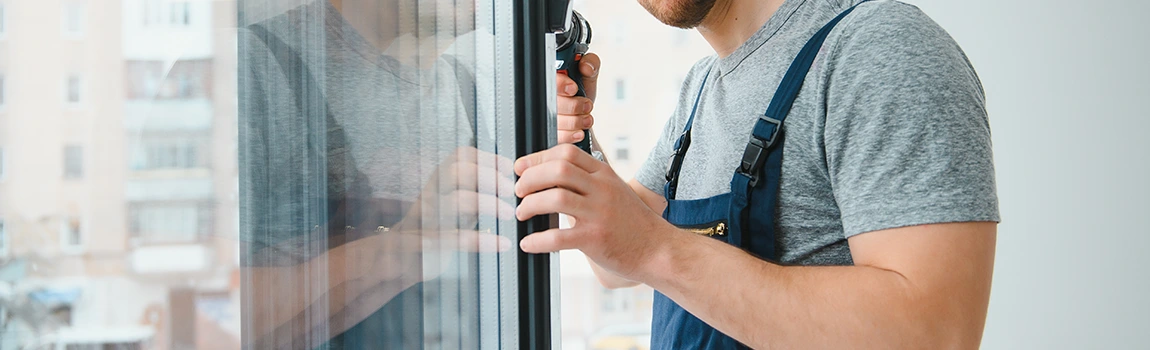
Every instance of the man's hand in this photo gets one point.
(365, 274)
(575, 112)
(613, 226)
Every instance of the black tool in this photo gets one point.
(572, 42)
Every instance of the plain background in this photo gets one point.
(1067, 85)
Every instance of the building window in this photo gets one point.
(73, 162)
(74, 19)
(3, 239)
(170, 153)
(73, 89)
(71, 236)
(168, 223)
(622, 148)
(183, 13)
(3, 164)
(186, 79)
(3, 21)
(620, 89)
(3, 88)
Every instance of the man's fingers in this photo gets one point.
(574, 122)
(472, 203)
(481, 242)
(552, 174)
(589, 66)
(566, 152)
(574, 105)
(551, 201)
(569, 136)
(549, 241)
(565, 86)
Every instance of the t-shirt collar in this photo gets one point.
(769, 29)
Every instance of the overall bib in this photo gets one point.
(743, 217)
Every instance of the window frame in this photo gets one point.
(80, 90)
(3, 86)
(81, 8)
(65, 159)
(3, 164)
(535, 113)
(65, 233)
(3, 21)
(5, 246)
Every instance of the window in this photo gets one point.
(186, 79)
(73, 162)
(3, 90)
(3, 21)
(170, 152)
(74, 19)
(179, 13)
(622, 148)
(73, 89)
(169, 222)
(3, 240)
(3, 164)
(620, 89)
(71, 236)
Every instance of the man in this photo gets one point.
(882, 227)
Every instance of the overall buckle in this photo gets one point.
(759, 147)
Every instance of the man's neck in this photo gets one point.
(371, 19)
(731, 22)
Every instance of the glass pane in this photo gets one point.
(257, 173)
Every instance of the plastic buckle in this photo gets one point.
(755, 155)
(676, 162)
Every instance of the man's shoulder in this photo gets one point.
(882, 24)
(289, 26)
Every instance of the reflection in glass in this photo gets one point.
(376, 188)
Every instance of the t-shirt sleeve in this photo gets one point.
(653, 173)
(907, 135)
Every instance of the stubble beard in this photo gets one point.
(685, 14)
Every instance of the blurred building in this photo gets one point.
(644, 65)
(117, 173)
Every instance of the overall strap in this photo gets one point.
(682, 145)
(762, 158)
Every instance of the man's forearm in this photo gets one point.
(765, 305)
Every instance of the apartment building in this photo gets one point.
(117, 173)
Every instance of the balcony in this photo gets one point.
(189, 258)
(167, 115)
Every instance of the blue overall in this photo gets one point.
(747, 211)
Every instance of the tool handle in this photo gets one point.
(575, 74)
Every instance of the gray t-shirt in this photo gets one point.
(890, 128)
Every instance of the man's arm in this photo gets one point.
(913, 287)
(921, 286)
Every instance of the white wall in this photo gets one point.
(1067, 86)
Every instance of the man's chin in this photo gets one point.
(685, 14)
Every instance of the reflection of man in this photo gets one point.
(360, 176)
(868, 221)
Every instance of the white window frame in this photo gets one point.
(3, 165)
(3, 89)
(3, 21)
(5, 247)
(81, 90)
(65, 17)
(83, 163)
(66, 246)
